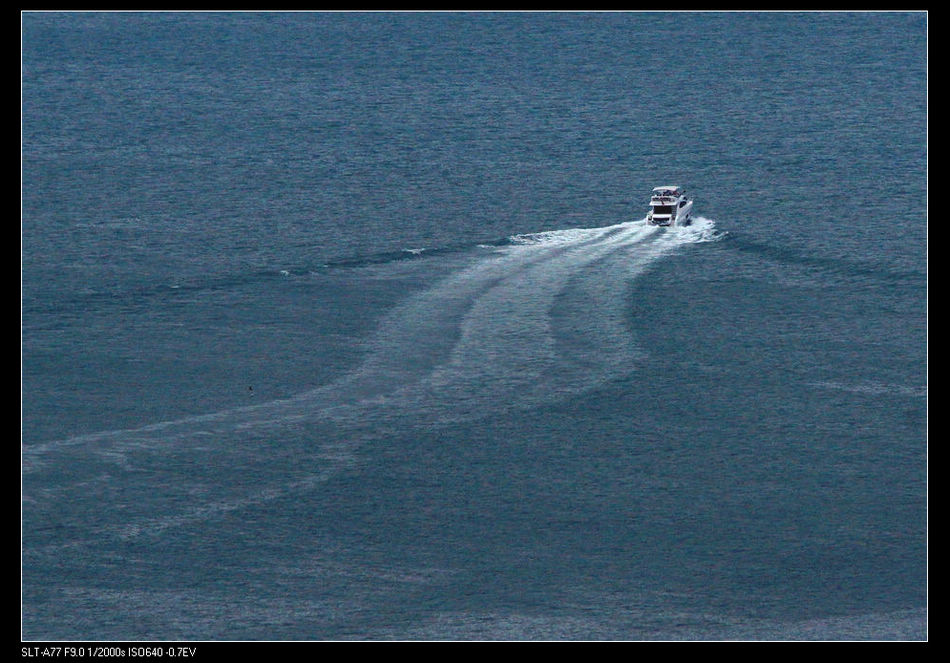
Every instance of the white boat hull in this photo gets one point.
(682, 216)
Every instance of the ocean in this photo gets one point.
(349, 326)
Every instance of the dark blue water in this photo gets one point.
(349, 326)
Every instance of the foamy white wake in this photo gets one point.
(530, 323)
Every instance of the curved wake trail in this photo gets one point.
(531, 323)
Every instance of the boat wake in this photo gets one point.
(532, 322)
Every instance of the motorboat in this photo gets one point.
(669, 206)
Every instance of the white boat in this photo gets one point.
(669, 206)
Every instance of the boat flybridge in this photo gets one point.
(669, 206)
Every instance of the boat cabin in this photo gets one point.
(664, 199)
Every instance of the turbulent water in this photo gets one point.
(345, 326)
